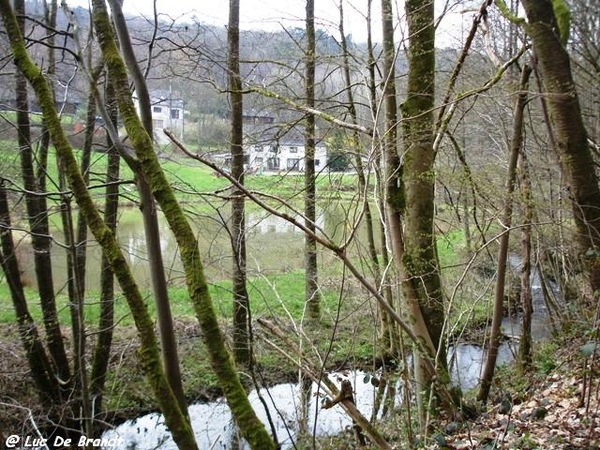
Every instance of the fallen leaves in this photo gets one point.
(552, 415)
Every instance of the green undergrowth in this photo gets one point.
(276, 295)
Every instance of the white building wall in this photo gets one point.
(289, 158)
(165, 115)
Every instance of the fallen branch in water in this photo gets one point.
(343, 397)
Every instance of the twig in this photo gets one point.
(329, 385)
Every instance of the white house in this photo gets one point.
(284, 155)
(267, 148)
(167, 112)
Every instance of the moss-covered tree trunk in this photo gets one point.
(312, 295)
(170, 354)
(241, 301)
(422, 285)
(251, 427)
(148, 353)
(576, 161)
(102, 349)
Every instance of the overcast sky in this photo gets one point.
(275, 14)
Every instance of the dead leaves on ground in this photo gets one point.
(553, 416)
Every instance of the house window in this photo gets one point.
(293, 149)
(273, 163)
(293, 164)
(258, 148)
(174, 114)
(157, 109)
(317, 162)
(258, 161)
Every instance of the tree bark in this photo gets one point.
(422, 285)
(103, 345)
(241, 301)
(312, 295)
(572, 146)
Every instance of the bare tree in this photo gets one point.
(241, 301)
(506, 220)
(312, 294)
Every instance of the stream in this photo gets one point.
(214, 428)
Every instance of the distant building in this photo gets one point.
(285, 154)
(167, 112)
(269, 146)
(253, 117)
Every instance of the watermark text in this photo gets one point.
(14, 441)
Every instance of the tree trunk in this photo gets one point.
(251, 427)
(525, 344)
(37, 214)
(241, 302)
(386, 336)
(42, 371)
(149, 211)
(86, 155)
(422, 285)
(312, 295)
(103, 345)
(572, 145)
(381, 194)
(80, 396)
(515, 149)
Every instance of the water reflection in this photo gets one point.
(214, 427)
(273, 245)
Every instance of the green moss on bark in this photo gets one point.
(251, 427)
(148, 353)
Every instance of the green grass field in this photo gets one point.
(194, 183)
(191, 179)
